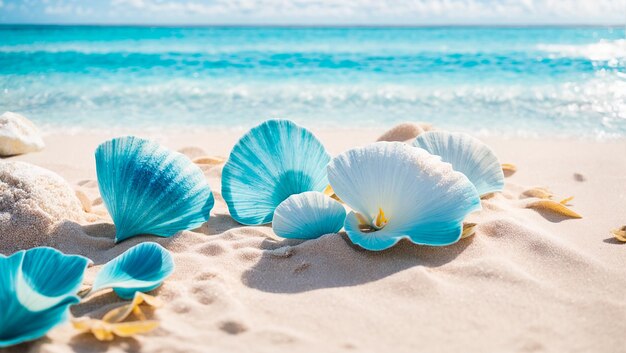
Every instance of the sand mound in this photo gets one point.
(404, 132)
(32, 199)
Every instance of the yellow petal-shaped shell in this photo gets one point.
(620, 234)
(331, 193)
(121, 313)
(554, 207)
(128, 329)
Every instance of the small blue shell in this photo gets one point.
(467, 155)
(270, 163)
(308, 215)
(149, 189)
(423, 199)
(141, 268)
(36, 289)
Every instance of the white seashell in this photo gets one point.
(308, 215)
(18, 135)
(467, 155)
(401, 192)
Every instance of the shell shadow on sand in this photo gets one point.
(332, 261)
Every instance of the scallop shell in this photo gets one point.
(141, 268)
(467, 155)
(270, 163)
(400, 192)
(149, 189)
(308, 215)
(36, 289)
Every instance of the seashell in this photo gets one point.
(540, 193)
(508, 169)
(400, 192)
(141, 268)
(331, 193)
(149, 189)
(120, 314)
(84, 200)
(308, 215)
(106, 331)
(467, 155)
(404, 132)
(620, 234)
(469, 229)
(37, 287)
(18, 135)
(554, 207)
(207, 160)
(267, 165)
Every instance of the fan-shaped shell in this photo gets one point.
(36, 289)
(270, 163)
(149, 189)
(308, 215)
(467, 155)
(423, 199)
(141, 268)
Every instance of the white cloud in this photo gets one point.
(390, 10)
(1, 4)
(66, 8)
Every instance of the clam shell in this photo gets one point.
(308, 215)
(467, 155)
(424, 200)
(149, 189)
(141, 268)
(270, 163)
(36, 289)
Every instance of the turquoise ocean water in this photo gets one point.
(512, 81)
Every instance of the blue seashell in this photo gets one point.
(36, 289)
(141, 268)
(308, 215)
(467, 155)
(397, 191)
(270, 163)
(149, 189)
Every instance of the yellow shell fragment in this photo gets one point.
(111, 324)
(106, 331)
(620, 234)
(566, 200)
(555, 207)
(121, 313)
(331, 193)
(509, 168)
(468, 230)
(207, 160)
(540, 193)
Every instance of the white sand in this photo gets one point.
(525, 282)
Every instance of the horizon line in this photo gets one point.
(268, 25)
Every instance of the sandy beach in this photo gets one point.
(525, 282)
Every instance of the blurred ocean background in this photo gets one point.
(551, 81)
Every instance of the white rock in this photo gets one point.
(32, 201)
(18, 135)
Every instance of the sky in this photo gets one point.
(314, 12)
